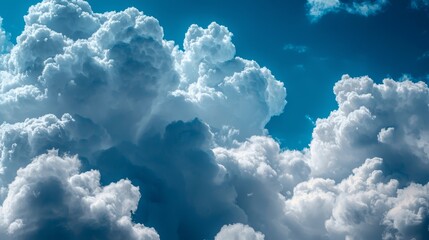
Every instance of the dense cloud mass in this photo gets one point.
(50, 199)
(111, 131)
(387, 120)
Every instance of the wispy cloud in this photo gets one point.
(319, 8)
(295, 48)
(416, 4)
(425, 55)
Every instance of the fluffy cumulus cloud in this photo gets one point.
(217, 83)
(368, 163)
(110, 131)
(119, 62)
(386, 120)
(319, 8)
(107, 86)
(49, 198)
(238, 232)
(22, 141)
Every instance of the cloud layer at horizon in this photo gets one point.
(111, 131)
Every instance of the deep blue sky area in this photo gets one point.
(389, 44)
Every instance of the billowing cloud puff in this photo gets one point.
(261, 157)
(73, 18)
(319, 8)
(367, 204)
(120, 63)
(263, 177)
(107, 86)
(20, 142)
(217, 83)
(409, 218)
(357, 198)
(238, 232)
(50, 199)
(386, 120)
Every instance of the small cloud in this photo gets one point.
(310, 119)
(318, 8)
(406, 77)
(417, 4)
(366, 8)
(300, 67)
(295, 48)
(425, 55)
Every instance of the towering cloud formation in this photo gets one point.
(112, 132)
(385, 120)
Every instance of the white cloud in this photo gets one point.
(111, 89)
(295, 48)
(73, 18)
(217, 83)
(238, 232)
(262, 158)
(409, 218)
(90, 84)
(319, 8)
(263, 177)
(373, 121)
(367, 204)
(49, 198)
(20, 142)
(393, 113)
(120, 63)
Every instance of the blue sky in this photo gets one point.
(109, 130)
(391, 43)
